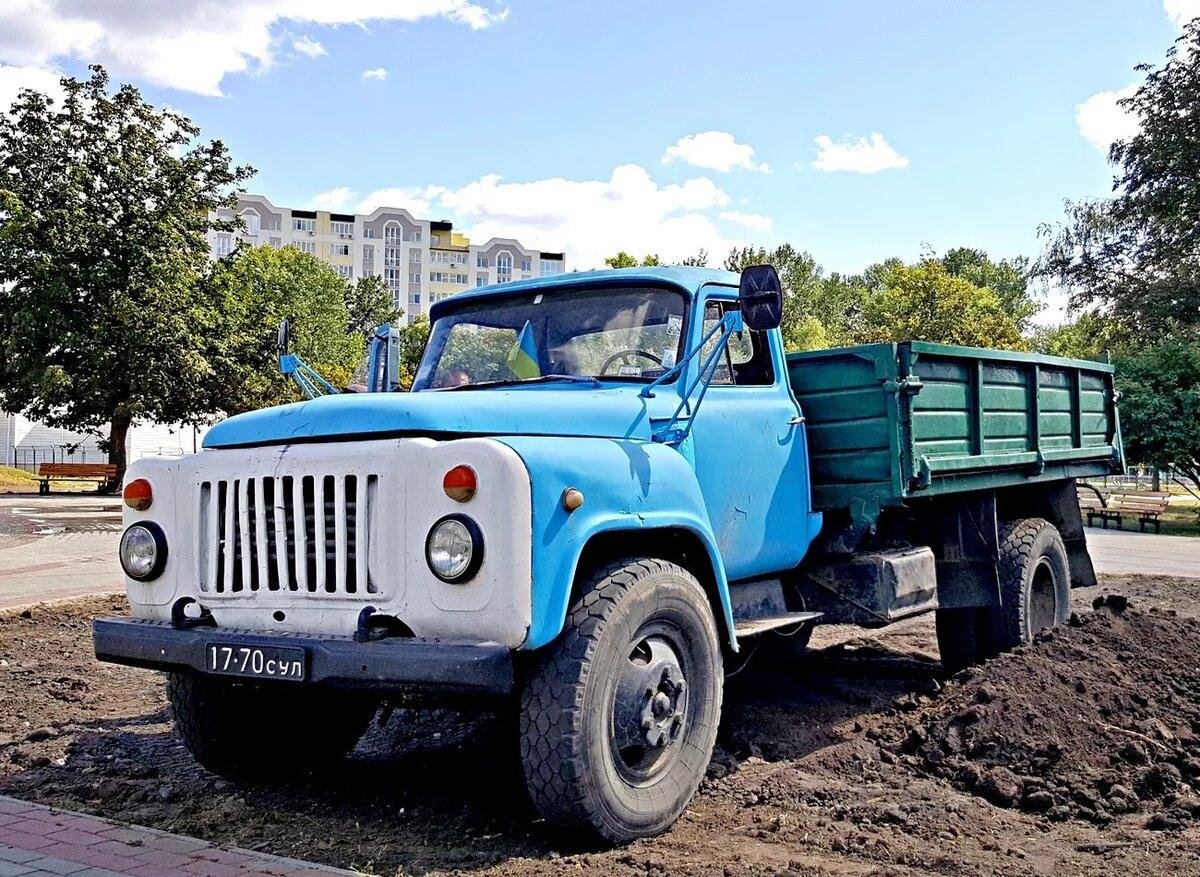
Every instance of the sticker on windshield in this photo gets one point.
(674, 324)
(668, 357)
(629, 371)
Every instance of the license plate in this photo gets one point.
(256, 662)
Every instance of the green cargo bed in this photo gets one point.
(894, 422)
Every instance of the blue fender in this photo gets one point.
(628, 484)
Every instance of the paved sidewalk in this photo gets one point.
(37, 841)
(1116, 552)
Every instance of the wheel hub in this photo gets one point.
(650, 708)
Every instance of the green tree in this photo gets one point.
(1008, 278)
(102, 241)
(818, 311)
(928, 303)
(413, 339)
(1088, 336)
(252, 291)
(1136, 255)
(369, 304)
(624, 260)
(1160, 405)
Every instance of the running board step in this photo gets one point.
(755, 626)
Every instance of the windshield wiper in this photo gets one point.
(516, 382)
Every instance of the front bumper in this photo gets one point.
(394, 665)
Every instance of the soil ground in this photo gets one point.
(1077, 755)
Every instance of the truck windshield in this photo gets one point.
(623, 334)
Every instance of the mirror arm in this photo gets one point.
(673, 434)
(310, 383)
(677, 368)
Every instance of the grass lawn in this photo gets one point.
(1182, 518)
(16, 479)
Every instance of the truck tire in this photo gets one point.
(242, 730)
(619, 715)
(1035, 594)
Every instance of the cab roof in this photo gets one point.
(683, 277)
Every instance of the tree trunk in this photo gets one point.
(117, 434)
(1156, 479)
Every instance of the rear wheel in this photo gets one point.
(619, 716)
(245, 730)
(1035, 595)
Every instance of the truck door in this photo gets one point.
(751, 456)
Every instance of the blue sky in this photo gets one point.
(573, 125)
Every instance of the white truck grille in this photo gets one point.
(303, 534)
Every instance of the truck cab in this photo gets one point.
(597, 490)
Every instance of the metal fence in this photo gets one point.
(29, 458)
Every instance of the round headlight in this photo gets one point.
(454, 549)
(143, 551)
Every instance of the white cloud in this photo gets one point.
(416, 200)
(860, 155)
(756, 221)
(1181, 11)
(336, 199)
(377, 73)
(13, 79)
(713, 150)
(1101, 120)
(308, 46)
(191, 45)
(590, 219)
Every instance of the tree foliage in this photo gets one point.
(1136, 255)
(369, 304)
(1160, 405)
(927, 302)
(413, 339)
(1008, 279)
(625, 260)
(252, 291)
(102, 241)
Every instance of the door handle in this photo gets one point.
(796, 420)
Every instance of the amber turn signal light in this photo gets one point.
(138, 495)
(460, 483)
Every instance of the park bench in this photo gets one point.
(101, 473)
(1146, 507)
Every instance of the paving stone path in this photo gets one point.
(37, 840)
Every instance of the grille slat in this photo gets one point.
(304, 534)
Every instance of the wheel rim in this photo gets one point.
(650, 707)
(1043, 600)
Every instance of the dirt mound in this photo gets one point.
(1097, 719)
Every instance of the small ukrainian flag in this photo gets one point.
(523, 357)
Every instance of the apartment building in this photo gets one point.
(421, 260)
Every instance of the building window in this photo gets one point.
(304, 225)
(414, 277)
(527, 264)
(391, 233)
(224, 244)
(439, 277)
(251, 222)
(368, 252)
(339, 249)
(550, 267)
(414, 257)
(460, 279)
(306, 246)
(370, 233)
(346, 271)
(415, 298)
(481, 261)
(481, 280)
(392, 277)
(346, 229)
(503, 268)
(414, 235)
(435, 239)
(391, 256)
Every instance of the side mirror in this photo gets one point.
(760, 295)
(285, 336)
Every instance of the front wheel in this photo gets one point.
(247, 731)
(619, 716)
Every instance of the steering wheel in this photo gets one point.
(626, 357)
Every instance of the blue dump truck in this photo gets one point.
(604, 491)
